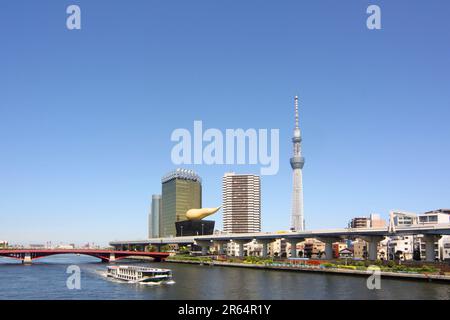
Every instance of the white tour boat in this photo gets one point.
(138, 274)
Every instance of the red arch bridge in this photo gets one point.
(28, 255)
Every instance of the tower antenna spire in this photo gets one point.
(296, 111)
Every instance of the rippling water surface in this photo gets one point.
(46, 279)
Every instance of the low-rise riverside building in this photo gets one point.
(359, 249)
(313, 248)
(400, 248)
(434, 217)
(277, 248)
(403, 218)
(373, 221)
(338, 247)
(252, 248)
(444, 248)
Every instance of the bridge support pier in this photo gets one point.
(27, 259)
(265, 250)
(372, 244)
(293, 242)
(205, 246)
(112, 258)
(329, 246)
(240, 243)
(430, 254)
(241, 249)
(265, 244)
(329, 250)
(220, 246)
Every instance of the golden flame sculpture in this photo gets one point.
(199, 214)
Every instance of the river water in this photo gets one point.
(46, 279)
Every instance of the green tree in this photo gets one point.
(165, 248)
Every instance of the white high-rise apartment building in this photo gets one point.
(241, 203)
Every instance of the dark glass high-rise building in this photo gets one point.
(181, 191)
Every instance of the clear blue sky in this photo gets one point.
(86, 116)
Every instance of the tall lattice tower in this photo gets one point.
(297, 162)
